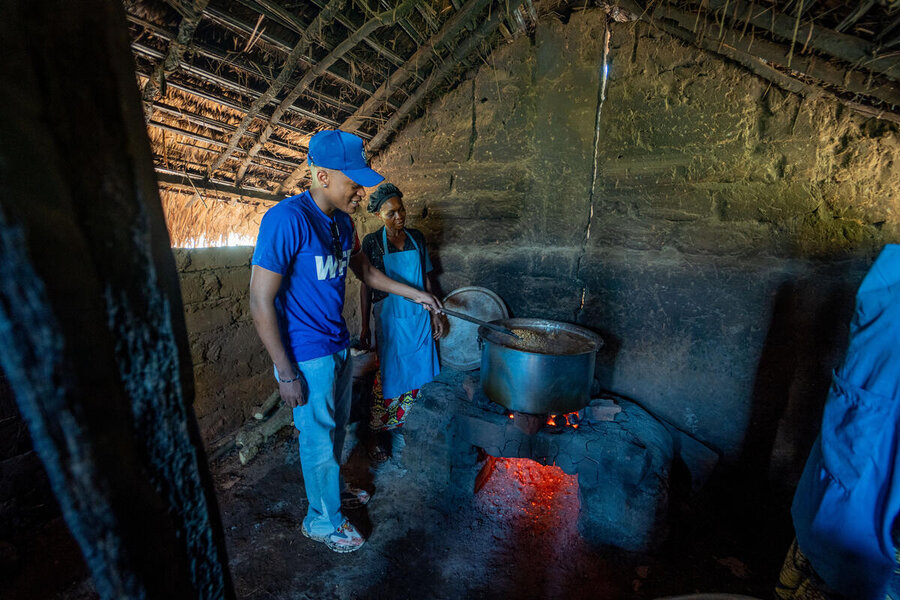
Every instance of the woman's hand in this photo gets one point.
(428, 301)
(438, 327)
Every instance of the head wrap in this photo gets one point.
(382, 194)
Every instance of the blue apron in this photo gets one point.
(849, 494)
(406, 349)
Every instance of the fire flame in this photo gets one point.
(565, 420)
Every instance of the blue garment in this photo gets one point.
(295, 241)
(406, 350)
(322, 425)
(849, 493)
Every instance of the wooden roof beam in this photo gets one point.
(853, 81)
(199, 137)
(399, 77)
(230, 104)
(191, 181)
(279, 15)
(415, 63)
(387, 17)
(202, 121)
(154, 87)
(323, 19)
(848, 48)
(244, 65)
(234, 24)
(437, 77)
(380, 49)
(750, 61)
(234, 86)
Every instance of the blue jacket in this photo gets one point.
(849, 493)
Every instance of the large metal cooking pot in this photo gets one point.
(549, 370)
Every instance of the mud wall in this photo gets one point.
(715, 234)
(231, 368)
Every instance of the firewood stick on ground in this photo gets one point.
(267, 406)
(255, 433)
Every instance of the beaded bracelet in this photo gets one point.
(292, 380)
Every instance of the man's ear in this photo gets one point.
(324, 177)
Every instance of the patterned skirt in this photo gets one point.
(798, 580)
(389, 413)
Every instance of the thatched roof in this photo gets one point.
(233, 89)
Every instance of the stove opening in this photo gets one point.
(528, 495)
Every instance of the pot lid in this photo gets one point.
(459, 348)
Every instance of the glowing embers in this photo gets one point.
(530, 424)
(521, 489)
(566, 420)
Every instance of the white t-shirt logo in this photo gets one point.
(328, 267)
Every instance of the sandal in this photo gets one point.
(353, 498)
(377, 455)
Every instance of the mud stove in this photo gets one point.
(622, 456)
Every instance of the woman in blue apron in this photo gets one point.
(404, 332)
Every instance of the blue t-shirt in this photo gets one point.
(295, 241)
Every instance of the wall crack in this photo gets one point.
(601, 97)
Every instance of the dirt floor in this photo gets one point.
(515, 538)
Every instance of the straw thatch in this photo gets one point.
(204, 219)
(235, 88)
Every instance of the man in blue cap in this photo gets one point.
(304, 247)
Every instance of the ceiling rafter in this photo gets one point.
(214, 142)
(484, 33)
(223, 128)
(377, 47)
(225, 102)
(274, 12)
(399, 77)
(853, 50)
(752, 62)
(287, 69)
(233, 85)
(238, 62)
(853, 81)
(193, 182)
(387, 17)
(154, 87)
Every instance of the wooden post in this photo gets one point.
(94, 343)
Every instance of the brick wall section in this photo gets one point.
(717, 249)
(231, 368)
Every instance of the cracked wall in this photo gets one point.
(731, 221)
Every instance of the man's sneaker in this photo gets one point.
(315, 538)
(353, 498)
(345, 539)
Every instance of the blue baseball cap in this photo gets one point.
(342, 151)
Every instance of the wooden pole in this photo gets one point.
(95, 345)
(482, 34)
(387, 17)
(154, 87)
(323, 19)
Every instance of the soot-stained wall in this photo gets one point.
(715, 238)
(231, 368)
